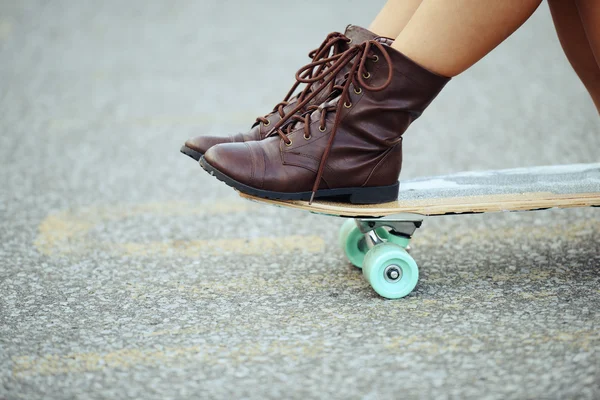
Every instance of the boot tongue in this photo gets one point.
(357, 35)
(360, 35)
(384, 40)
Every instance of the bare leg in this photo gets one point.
(589, 11)
(447, 37)
(572, 35)
(393, 17)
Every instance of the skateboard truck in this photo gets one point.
(402, 225)
(379, 246)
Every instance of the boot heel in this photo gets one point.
(375, 195)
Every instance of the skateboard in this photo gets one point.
(376, 237)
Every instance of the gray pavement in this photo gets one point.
(127, 272)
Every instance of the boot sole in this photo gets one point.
(357, 195)
(190, 152)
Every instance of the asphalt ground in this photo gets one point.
(127, 272)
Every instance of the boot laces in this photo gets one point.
(332, 45)
(356, 57)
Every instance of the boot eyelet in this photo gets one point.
(357, 91)
(349, 40)
(375, 58)
(267, 123)
(288, 144)
(347, 104)
(307, 137)
(322, 128)
(367, 75)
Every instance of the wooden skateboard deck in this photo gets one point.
(520, 189)
(377, 239)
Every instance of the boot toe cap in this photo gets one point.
(233, 160)
(201, 144)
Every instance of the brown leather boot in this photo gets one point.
(350, 148)
(334, 44)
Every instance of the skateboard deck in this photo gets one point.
(520, 189)
(376, 237)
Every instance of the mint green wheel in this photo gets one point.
(352, 242)
(390, 270)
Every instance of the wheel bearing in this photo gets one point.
(392, 273)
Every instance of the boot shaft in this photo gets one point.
(384, 115)
(370, 123)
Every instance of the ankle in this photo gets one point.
(411, 51)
